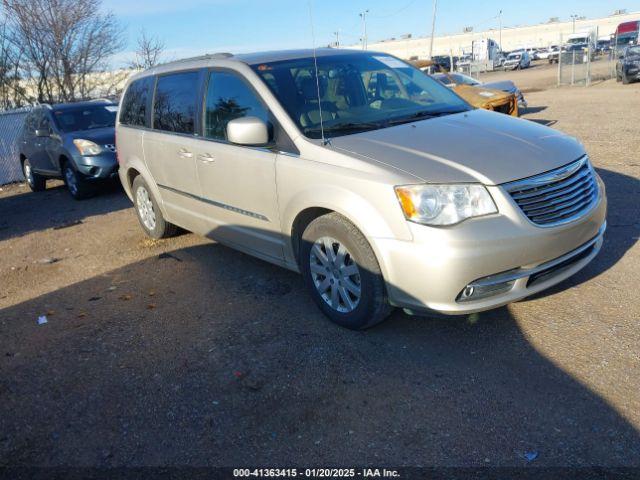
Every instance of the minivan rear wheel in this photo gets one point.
(148, 212)
(36, 182)
(342, 273)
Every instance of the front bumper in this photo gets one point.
(431, 272)
(97, 167)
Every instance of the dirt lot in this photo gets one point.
(184, 352)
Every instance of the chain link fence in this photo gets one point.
(582, 64)
(10, 128)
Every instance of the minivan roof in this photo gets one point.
(249, 58)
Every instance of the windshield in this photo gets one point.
(514, 56)
(635, 50)
(627, 38)
(461, 79)
(356, 92)
(85, 118)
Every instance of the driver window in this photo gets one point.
(228, 98)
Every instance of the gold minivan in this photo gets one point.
(378, 184)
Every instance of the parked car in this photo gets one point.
(453, 80)
(628, 66)
(464, 63)
(376, 182)
(543, 54)
(517, 61)
(72, 141)
(554, 54)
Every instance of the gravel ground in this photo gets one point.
(185, 352)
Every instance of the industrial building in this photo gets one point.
(510, 38)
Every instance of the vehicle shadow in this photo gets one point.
(206, 356)
(29, 211)
(528, 110)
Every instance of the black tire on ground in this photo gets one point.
(37, 183)
(77, 186)
(625, 79)
(162, 228)
(373, 306)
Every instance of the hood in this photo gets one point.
(505, 86)
(476, 146)
(480, 96)
(101, 136)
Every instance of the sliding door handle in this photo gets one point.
(206, 158)
(184, 153)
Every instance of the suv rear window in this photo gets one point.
(175, 101)
(134, 104)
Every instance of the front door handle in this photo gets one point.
(184, 153)
(206, 158)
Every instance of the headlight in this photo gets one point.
(87, 147)
(444, 204)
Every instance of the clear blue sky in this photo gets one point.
(192, 27)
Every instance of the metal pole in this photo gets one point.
(337, 34)
(363, 15)
(500, 17)
(433, 27)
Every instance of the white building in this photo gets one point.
(542, 35)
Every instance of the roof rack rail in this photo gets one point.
(208, 56)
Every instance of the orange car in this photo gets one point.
(481, 97)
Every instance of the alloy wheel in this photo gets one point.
(335, 275)
(71, 179)
(145, 208)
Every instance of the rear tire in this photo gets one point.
(148, 212)
(37, 183)
(342, 273)
(76, 185)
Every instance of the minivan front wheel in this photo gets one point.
(148, 212)
(36, 182)
(342, 273)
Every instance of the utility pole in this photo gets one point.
(500, 19)
(433, 27)
(363, 16)
(574, 17)
(337, 34)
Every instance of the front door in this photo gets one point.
(238, 183)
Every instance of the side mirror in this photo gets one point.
(41, 132)
(250, 131)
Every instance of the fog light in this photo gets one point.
(476, 292)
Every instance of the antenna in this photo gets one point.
(315, 64)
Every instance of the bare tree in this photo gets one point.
(12, 92)
(148, 53)
(65, 42)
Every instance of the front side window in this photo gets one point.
(355, 92)
(134, 104)
(84, 118)
(174, 104)
(228, 98)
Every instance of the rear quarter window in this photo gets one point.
(134, 104)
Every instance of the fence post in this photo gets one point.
(560, 61)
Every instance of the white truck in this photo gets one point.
(584, 37)
(486, 51)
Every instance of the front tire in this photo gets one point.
(37, 183)
(76, 185)
(625, 79)
(342, 273)
(148, 212)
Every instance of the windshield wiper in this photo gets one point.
(347, 127)
(423, 115)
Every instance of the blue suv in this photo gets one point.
(73, 141)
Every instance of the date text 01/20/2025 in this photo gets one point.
(316, 473)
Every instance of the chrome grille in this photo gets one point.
(559, 196)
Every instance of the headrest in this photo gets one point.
(309, 87)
